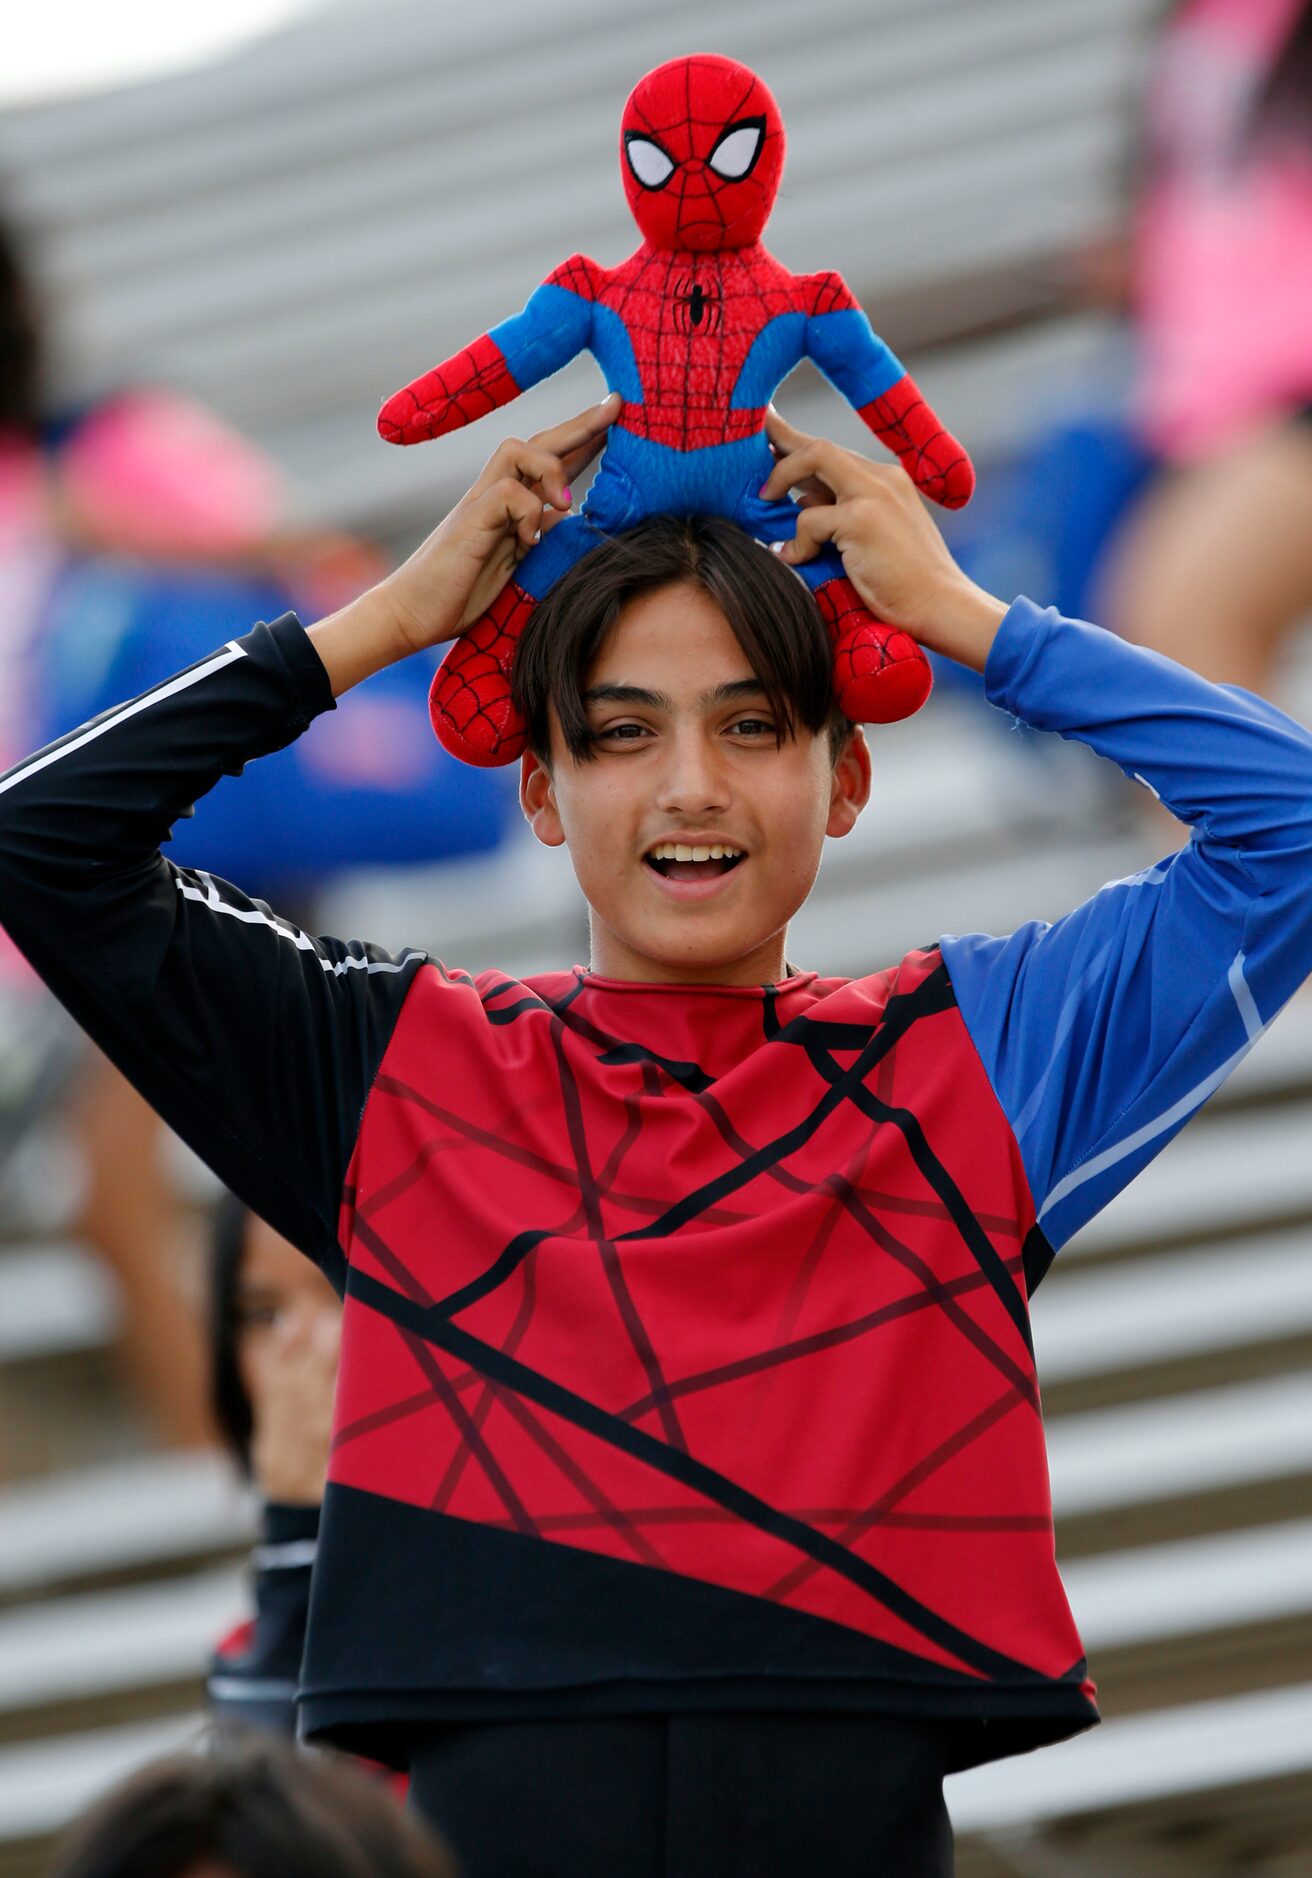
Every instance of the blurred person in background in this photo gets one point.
(1214, 567)
(275, 1328)
(135, 531)
(250, 1807)
(52, 505)
(1175, 502)
(275, 1333)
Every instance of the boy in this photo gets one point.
(688, 1509)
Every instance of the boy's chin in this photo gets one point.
(675, 954)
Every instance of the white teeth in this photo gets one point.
(684, 851)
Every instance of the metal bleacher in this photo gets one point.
(295, 230)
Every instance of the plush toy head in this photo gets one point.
(701, 153)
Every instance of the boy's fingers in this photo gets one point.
(548, 459)
(539, 470)
(812, 461)
(815, 526)
(576, 433)
(578, 460)
(530, 526)
(812, 492)
(788, 444)
(785, 436)
(804, 460)
(509, 507)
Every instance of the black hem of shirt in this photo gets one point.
(451, 1621)
(985, 1725)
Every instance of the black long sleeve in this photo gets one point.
(256, 1042)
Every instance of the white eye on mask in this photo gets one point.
(649, 163)
(738, 149)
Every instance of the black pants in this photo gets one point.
(689, 1796)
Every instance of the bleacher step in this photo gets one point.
(77, 1650)
(121, 1519)
(1173, 1322)
(1228, 1173)
(1192, 1749)
(1157, 1470)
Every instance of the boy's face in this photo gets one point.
(686, 757)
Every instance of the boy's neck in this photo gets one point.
(612, 958)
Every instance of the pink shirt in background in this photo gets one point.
(160, 477)
(1224, 237)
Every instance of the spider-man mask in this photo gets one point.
(701, 151)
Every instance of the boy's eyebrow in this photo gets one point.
(661, 701)
(739, 688)
(628, 694)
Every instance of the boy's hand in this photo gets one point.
(453, 576)
(892, 551)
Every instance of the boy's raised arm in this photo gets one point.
(1101, 1034)
(255, 1041)
(453, 577)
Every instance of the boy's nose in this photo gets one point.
(694, 780)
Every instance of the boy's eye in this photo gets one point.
(745, 729)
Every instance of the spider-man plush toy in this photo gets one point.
(695, 331)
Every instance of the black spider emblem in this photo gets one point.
(696, 307)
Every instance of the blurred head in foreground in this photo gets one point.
(250, 1807)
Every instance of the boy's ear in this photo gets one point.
(537, 798)
(851, 784)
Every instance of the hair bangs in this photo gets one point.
(770, 611)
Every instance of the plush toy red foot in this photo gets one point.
(469, 703)
(880, 673)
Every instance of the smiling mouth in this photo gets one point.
(688, 861)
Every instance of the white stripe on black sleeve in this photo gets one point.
(182, 682)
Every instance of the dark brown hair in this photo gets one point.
(773, 617)
(258, 1808)
(20, 340)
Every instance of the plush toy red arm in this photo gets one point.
(553, 328)
(883, 393)
(457, 392)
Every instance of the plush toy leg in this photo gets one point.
(880, 673)
(469, 703)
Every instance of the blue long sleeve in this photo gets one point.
(1103, 1033)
